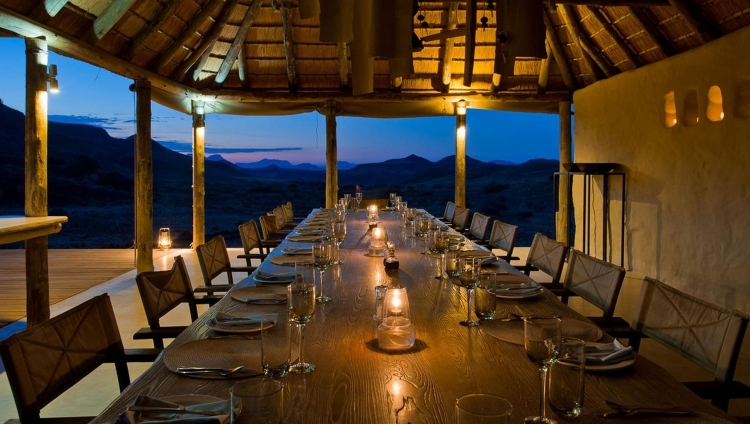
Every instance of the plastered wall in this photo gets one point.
(688, 194)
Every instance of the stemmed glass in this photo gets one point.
(339, 234)
(542, 336)
(321, 254)
(423, 231)
(301, 298)
(468, 276)
(442, 240)
(393, 200)
(358, 197)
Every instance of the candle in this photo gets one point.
(377, 234)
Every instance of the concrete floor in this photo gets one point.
(93, 394)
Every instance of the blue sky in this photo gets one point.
(92, 95)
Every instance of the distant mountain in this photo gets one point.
(502, 162)
(284, 164)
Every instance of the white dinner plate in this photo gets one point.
(510, 294)
(605, 367)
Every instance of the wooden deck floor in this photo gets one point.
(71, 271)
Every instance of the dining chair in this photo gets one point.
(269, 230)
(289, 212)
(450, 209)
(599, 283)
(251, 240)
(705, 333)
(503, 237)
(477, 230)
(460, 218)
(281, 222)
(44, 361)
(548, 256)
(161, 292)
(214, 261)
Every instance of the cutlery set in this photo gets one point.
(643, 411)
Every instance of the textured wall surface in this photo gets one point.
(688, 196)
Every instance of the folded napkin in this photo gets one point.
(475, 254)
(304, 238)
(290, 260)
(298, 250)
(275, 276)
(608, 353)
(160, 416)
(315, 231)
(225, 319)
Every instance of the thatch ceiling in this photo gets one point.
(234, 52)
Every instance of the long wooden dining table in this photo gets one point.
(354, 381)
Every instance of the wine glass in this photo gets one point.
(321, 254)
(442, 239)
(339, 234)
(542, 336)
(392, 198)
(423, 231)
(468, 276)
(347, 201)
(358, 198)
(301, 298)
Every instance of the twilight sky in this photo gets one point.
(91, 95)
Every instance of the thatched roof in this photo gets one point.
(262, 57)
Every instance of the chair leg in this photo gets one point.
(123, 376)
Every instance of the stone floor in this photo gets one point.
(93, 394)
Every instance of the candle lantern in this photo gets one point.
(378, 242)
(165, 240)
(396, 331)
(372, 216)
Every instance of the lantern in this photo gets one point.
(165, 240)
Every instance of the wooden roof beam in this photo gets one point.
(652, 30)
(692, 14)
(470, 46)
(291, 67)
(238, 43)
(114, 12)
(343, 66)
(241, 60)
(599, 16)
(577, 34)
(145, 33)
(447, 59)
(562, 62)
(48, 7)
(201, 53)
(192, 28)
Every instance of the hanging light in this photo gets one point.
(54, 87)
(165, 239)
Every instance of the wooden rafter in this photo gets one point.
(651, 29)
(48, 8)
(541, 86)
(598, 15)
(291, 67)
(447, 59)
(114, 12)
(201, 53)
(241, 60)
(146, 32)
(694, 18)
(343, 66)
(562, 62)
(238, 43)
(588, 52)
(192, 28)
(470, 45)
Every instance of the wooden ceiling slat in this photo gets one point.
(343, 62)
(694, 17)
(179, 43)
(145, 33)
(652, 30)
(111, 15)
(599, 16)
(569, 16)
(239, 40)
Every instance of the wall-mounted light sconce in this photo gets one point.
(54, 87)
(461, 132)
(199, 114)
(461, 108)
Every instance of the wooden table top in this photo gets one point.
(355, 382)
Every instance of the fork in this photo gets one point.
(623, 410)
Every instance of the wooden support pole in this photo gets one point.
(447, 62)
(566, 148)
(144, 179)
(199, 174)
(332, 171)
(291, 61)
(460, 190)
(35, 202)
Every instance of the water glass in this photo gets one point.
(483, 409)
(275, 346)
(485, 302)
(379, 312)
(259, 401)
(451, 264)
(566, 378)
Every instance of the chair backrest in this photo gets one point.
(596, 281)
(288, 211)
(548, 255)
(213, 258)
(268, 226)
(278, 213)
(707, 334)
(162, 291)
(479, 225)
(250, 236)
(45, 360)
(450, 209)
(503, 237)
(460, 217)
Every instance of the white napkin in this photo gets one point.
(608, 353)
(130, 417)
(226, 319)
(275, 276)
(298, 250)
